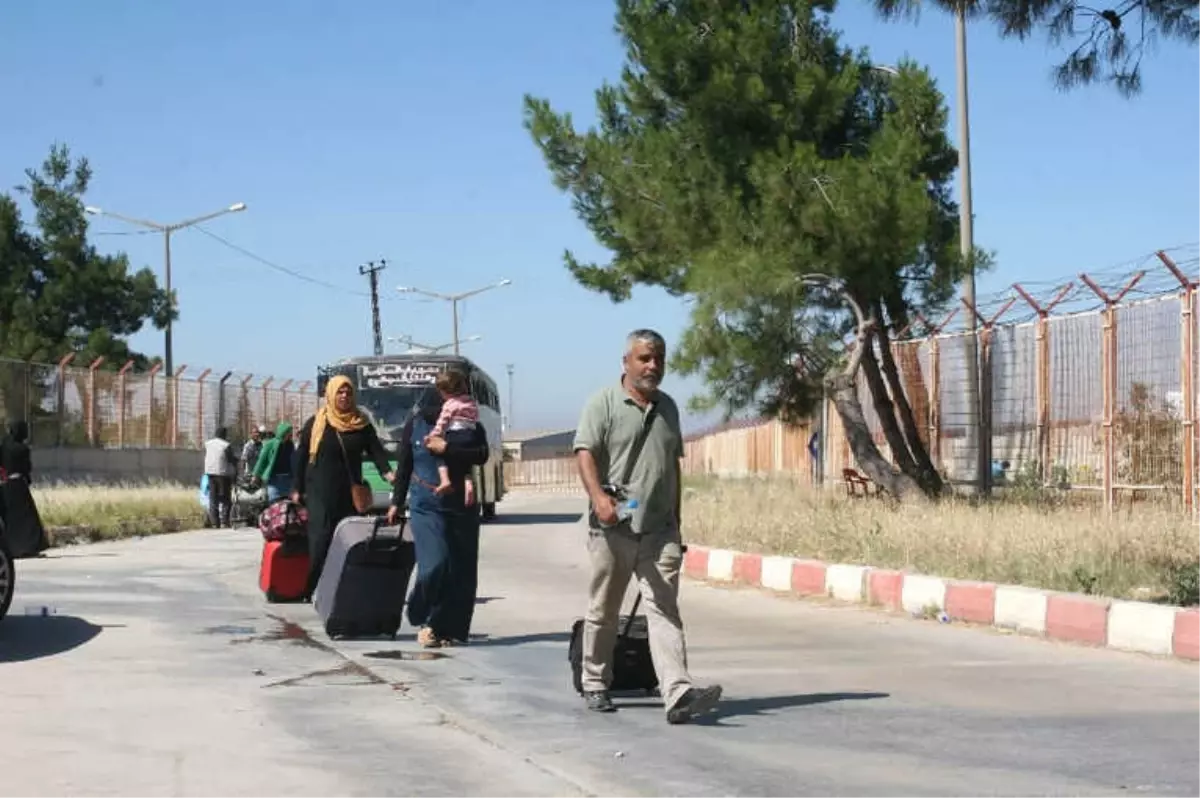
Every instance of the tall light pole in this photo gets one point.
(453, 299)
(966, 242)
(167, 230)
(975, 410)
(408, 341)
(509, 368)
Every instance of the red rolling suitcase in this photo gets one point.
(283, 574)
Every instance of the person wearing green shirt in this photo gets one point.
(274, 465)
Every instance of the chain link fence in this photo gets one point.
(99, 407)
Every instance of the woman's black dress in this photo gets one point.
(324, 485)
(23, 529)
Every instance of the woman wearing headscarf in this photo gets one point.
(23, 528)
(329, 458)
(445, 529)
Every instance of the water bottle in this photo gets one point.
(625, 509)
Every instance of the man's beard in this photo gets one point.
(647, 384)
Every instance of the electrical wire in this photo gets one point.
(275, 266)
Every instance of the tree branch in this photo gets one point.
(863, 323)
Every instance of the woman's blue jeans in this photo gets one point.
(278, 487)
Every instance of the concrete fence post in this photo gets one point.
(61, 398)
(122, 402)
(173, 391)
(200, 406)
(90, 408)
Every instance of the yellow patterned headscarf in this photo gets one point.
(350, 421)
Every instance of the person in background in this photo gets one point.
(329, 458)
(252, 450)
(220, 466)
(457, 422)
(23, 527)
(645, 544)
(274, 466)
(445, 529)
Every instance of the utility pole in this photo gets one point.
(977, 432)
(509, 368)
(372, 270)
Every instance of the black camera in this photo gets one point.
(616, 492)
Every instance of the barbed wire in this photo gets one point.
(1141, 279)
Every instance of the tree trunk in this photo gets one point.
(887, 414)
(926, 473)
(842, 387)
(843, 391)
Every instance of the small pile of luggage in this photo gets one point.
(249, 500)
(283, 573)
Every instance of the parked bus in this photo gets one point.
(388, 387)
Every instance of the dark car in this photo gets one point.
(8, 575)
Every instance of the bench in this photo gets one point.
(855, 482)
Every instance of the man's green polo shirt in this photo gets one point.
(609, 425)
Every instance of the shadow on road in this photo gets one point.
(520, 640)
(530, 519)
(29, 637)
(743, 707)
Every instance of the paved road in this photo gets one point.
(163, 672)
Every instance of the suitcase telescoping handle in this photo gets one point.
(380, 522)
(632, 613)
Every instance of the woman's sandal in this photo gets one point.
(427, 639)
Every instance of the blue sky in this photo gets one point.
(355, 131)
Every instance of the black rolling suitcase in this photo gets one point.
(364, 581)
(632, 666)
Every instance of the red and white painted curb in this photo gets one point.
(1125, 625)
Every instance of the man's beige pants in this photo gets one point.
(655, 560)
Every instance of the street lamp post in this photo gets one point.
(453, 299)
(433, 350)
(510, 367)
(167, 230)
(978, 433)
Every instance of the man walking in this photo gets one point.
(633, 428)
(220, 465)
(252, 450)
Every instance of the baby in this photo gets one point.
(460, 413)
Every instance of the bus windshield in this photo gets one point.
(389, 408)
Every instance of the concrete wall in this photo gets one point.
(71, 464)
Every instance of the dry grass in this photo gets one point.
(1147, 556)
(119, 510)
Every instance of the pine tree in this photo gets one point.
(750, 161)
(1109, 43)
(57, 293)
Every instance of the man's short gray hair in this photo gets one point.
(645, 336)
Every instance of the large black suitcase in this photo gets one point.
(364, 581)
(632, 666)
